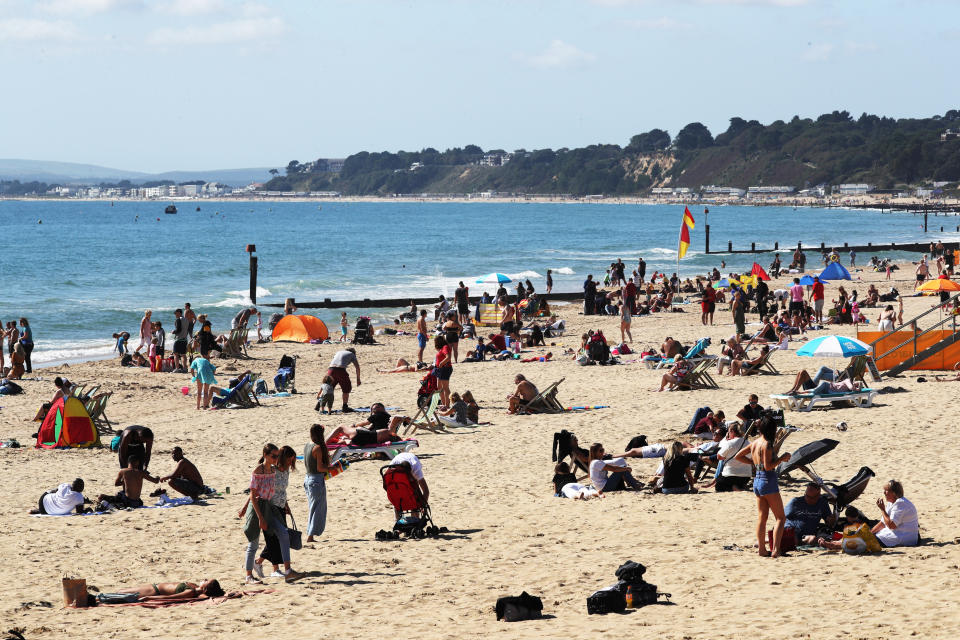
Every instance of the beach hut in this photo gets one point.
(67, 424)
(835, 271)
(300, 329)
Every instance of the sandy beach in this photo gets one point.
(490, 486)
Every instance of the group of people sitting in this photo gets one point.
(135, 447)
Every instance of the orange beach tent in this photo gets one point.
(300, 329)
(67, 424)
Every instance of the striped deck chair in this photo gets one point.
(698, 377)
(426, 418)
(764, 367)
(97, 407)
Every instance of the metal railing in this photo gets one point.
(916, 334)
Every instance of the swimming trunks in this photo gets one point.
(765, 483)
(422, 340)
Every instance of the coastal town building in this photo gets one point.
(778, 191)
(854, 189)
(714, 191)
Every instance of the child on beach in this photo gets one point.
(154, 362)
(259, 328)
(325, 405)
(204, 379)
(343, 326)
(121, 339)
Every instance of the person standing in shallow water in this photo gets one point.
(26, 339)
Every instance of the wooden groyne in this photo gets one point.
(915, 247)
(369, 303)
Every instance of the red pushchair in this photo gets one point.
(407, 499)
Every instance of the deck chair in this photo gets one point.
(487, 315)
(426, 417)
(856, 370)
(545, 401)
(97, 407)
(239, 396)
(764, 367)
(698, 377)
(339, 450)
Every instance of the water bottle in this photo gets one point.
(630, 597)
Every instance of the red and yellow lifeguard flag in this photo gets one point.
(685, 227)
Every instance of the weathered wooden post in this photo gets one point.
(251, 249)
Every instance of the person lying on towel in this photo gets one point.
(164, 592)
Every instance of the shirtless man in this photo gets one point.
(190, 316)
(421, 334)
(506, 323)
(524, 393)
(185, 478)
(136, 441)
(131, 481)
(669, 348)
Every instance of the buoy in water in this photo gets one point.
(39, 221)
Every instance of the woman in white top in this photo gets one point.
(898, 526)
(610, 475)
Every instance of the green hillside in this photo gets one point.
(834, 148)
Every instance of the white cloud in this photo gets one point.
(559, 54)
(246, 30)
(659, 24)
(28, 29)
(86, 6)
(190, 7)
(818, 52)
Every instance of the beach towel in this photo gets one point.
(163, 502)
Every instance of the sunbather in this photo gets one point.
(669, 348)
(739, 365)
(169, 591)
(405, 367)
(522, 395)
(363, 437)
(730, 352)
(805, 382)
(825, 386)
(677, 373)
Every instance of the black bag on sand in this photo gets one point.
(522, 607)
(631, 572)
(608, 600)
(636, 441)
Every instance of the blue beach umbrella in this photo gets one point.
(807, 280)
(494, 278)
(834, 347)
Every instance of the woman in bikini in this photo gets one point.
(167, 591)
(765, 487)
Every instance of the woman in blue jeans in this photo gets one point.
(316, 457)
(263, 516)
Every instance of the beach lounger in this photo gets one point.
(545, 401)
(338, 449)
(426, 417)
(807, 401)
(241, 396)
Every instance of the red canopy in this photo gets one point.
(759, 272)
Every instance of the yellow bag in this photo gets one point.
(857, 540)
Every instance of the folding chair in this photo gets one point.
(545, 401)
(429, 417)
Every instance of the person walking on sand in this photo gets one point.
(765, 486)
(625, 319)
(421, 334)
(338, 371)
(343, 326)
(443, 368)
(146, 331)
(316, 457)
(549, 280)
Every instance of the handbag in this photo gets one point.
(296, 538)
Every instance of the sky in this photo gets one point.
(157, 85)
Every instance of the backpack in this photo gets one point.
(635, 441)
(630, 571)
(597, 349)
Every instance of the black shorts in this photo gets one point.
(160, 353)
(364, 437)
(727, 483)
(796, 306)
(463, 308)
(452, 337)
(506, 327)
(180, 347)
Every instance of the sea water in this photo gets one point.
(83, 270)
